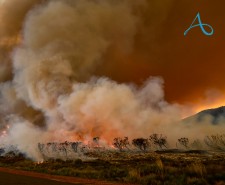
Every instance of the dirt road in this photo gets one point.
(18, 177)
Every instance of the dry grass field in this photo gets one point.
(162, 167)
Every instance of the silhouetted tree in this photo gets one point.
(158, 140)
(196, 144)
(121, 143)
(184, 142)
(74, 146)
(141, 143)
(216, 142)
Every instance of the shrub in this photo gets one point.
(78, 163)
(141, 143)
(121, 143)
(215, 142)
(184, 142)
(158, 140)
(115, 173)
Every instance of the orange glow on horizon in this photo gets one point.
(209, 102)
(202, 106)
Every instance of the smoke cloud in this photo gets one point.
(52, 53)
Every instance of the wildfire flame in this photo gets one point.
(4, 132)
(48, 80)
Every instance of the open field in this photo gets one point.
(162, 167)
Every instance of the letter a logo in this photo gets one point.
(201, 25)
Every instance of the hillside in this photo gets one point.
(215, 116)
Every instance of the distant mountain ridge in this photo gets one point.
(215, 115)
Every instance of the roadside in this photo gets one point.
(53, 178)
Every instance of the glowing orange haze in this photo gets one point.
(199, 108)
(191, 66)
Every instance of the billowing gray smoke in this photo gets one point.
(49, 52)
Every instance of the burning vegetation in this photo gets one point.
(142, 162)
(50, 90)
(155, 143)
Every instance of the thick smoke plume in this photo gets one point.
(49, 52)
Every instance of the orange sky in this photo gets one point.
(191, 66)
